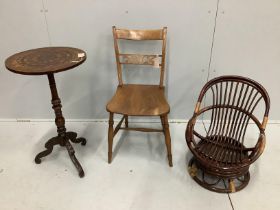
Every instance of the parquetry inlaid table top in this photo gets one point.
(45, 60)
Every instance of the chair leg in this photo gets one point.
(165, 124)
(231, 185)
(126, 121)
(110, 136)
(162, 120)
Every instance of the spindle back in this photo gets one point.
(234, 99)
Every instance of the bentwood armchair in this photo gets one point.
(221, 156)
(138, 99)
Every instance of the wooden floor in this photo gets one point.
(138, 178)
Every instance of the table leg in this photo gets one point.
(63, 137)
(49, 148)
(72, 136)
(76, 163)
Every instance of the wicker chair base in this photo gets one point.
(217, 184)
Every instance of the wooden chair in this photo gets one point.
(222, 156)
(138, 99)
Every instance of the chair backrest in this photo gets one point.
(234, 99)
(157, 61)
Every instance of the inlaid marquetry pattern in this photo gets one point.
(45, 60)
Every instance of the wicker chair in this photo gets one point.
(221, 156)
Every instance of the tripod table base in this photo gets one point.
(64, 141)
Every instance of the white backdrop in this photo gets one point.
(246, 42)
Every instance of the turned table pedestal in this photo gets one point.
(47, 61)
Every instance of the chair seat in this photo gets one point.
(139, 100)
(222, 151)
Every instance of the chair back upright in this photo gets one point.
(157, 61)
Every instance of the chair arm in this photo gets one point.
(258, 150)
(189, 132)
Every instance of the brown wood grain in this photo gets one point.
(45, 60)
(139, 100)
(139, 34)
(136, 99)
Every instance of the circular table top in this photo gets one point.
(45, 60)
